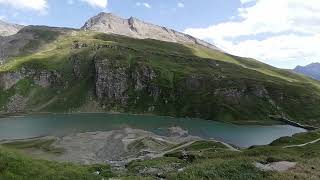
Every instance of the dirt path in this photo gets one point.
(301, 145)
(188, 144)
(230, 147)
(227, 145)
(174, 149)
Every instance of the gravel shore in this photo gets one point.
(116, 147)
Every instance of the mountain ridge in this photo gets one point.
(136, 28)
(8, 29)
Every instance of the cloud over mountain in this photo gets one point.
(97, 3)
(278, 32)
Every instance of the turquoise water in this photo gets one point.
(64, 124)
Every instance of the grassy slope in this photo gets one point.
(207, 160)
(200, 160)
(295, 95)
(14, 166)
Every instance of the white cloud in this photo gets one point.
(246, 1)
(147, 5)
(97, 3)
(284, 51)
(180, 5)
(270, 30)
(34, 5)
(2, 17)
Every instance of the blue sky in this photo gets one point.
(164, 12)
(281, 33)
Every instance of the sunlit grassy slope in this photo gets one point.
(14, 166)
(241, 81)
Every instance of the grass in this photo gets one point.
(226, 164)
(221, 169)
(297, 139)
(14, 166)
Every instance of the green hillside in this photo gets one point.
(85, 71)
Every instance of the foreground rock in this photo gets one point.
(281, 166)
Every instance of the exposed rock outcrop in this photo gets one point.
(281, 166)
(17, 103)
(9, 82)
(44, 78)
(115, 80)
(133, 27)
(111, 82)
(9, 79)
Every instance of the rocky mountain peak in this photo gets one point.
(7, 29)
(136, 28)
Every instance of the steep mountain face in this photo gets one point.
(311, 70)
(135, 28)
(67, 70)
(7, 29)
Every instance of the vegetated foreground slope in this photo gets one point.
(63, 70)
(198, 160)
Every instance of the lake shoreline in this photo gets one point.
(22, 126)
(240, 123)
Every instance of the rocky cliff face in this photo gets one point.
(135, 28)
(311, 70)
(7, 29)
(117, 84)
(9, 83)
(112, 82)
(41, 78)
(142, 88)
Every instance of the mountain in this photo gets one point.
(311, 70)
(7, 29)
(135, 28)
(47, 69)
